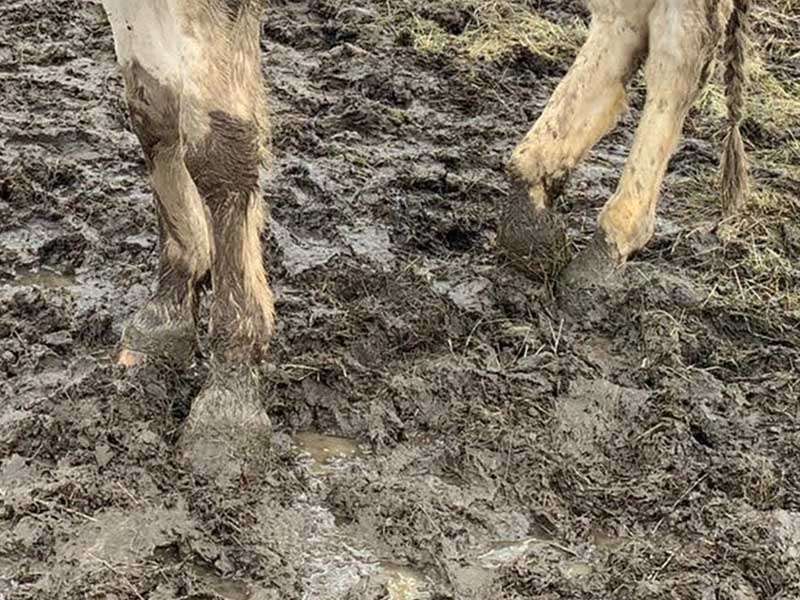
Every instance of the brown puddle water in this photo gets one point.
(326, 450)
(326, 453)
(224, 588)
(45, 278)
(504, 553)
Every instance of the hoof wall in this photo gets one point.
(534, 240)
(228, 432)
(587, 283)
(155, 334)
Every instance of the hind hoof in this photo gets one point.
(533, 239)
(586, 284)
(228, 432)
(597, 264)
(159, 333)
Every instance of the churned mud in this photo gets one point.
(442, 428)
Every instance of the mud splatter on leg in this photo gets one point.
(682, 37)
(225, 166)
(583, 108)
(224, 128)
(165, 327)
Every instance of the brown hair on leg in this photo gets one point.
(226, 132)
(185, 253)
(164, 326)
(225, 167)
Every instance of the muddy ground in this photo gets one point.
(485, 444)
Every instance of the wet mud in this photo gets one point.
(442, 428)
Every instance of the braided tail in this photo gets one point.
(734, 164)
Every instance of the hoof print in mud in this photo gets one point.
(156, 334)
(534, 240)
(228, 432)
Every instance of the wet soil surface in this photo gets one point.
(442, 428)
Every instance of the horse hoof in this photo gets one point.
(159, 333)
(228, 432)
(533, 239)
(585, 286)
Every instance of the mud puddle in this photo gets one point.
(572, 563)
(45, 278)
(226, 589)
(502, 554)
(326, 452)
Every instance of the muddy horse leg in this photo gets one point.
(683, 35)
(224, 127)
(145, 41)
(584, 107)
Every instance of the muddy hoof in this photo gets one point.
(534, 240)
(228, 432)
(158, 333)
(586, 284)
(597, 264)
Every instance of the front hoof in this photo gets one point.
(585, 286)
(228, 432)
(130, 358)
(533, 239)
(159, 333)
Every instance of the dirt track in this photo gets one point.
(492, 447)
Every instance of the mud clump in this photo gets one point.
(485, 443)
